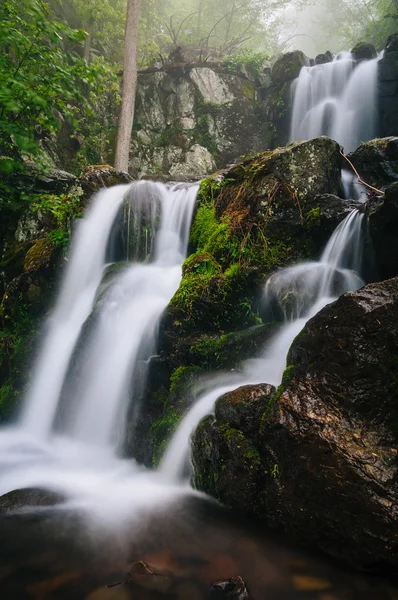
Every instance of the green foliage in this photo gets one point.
(16, 337)
(43, 83)
(161, 431)
(250, 60)
(180, 375)
(62, 209)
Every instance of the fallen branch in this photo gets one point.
(359, 178)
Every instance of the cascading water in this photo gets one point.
(127, 314)
(337, 99)
(75, 453)
(308, 287)
(83, 275)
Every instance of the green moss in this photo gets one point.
(248, 90)
(161, 431)
(180, 376)
(313, 216)
(240, 443)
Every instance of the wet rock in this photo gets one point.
(233, 588)
(28, 498)
(288, 67)
(97, 177)
(388, 88)
(377, 161)
(324, 448)
(391, 44)
(51, 181)
(363, 51)
(383, 227)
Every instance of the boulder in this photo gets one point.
(28, 498)
(96, 177)
(377, 161)
(391, 44)
(388, 88)
(288, 66)
(383, 228)
(363, 51)
(319, 459)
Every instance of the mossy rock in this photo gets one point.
(39, 255)
(363, 51)
(288, 66)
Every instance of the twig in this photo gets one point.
(359, 178)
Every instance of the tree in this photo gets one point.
(129, 86)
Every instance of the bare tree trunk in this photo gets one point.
(129, 86)
(229, 21)
(88, 40)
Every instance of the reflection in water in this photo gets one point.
(54, 554)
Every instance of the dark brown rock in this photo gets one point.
(28, 498)
(326, 445)
(233, 588)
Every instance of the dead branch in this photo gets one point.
(359, 178)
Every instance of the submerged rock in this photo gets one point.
(233, 588)
(324, 449)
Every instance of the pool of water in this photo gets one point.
(59, 554)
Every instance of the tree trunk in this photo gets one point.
(129, 86)
(88, 40)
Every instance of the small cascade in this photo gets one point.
(127, 315)
(337, 99)
(301, 291)
(75, 301)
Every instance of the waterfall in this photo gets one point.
(126, 315)
(337, 99)
(124, 334)
(83, 275)
(310, 286)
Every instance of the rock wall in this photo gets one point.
(191, 119)
(388, 88)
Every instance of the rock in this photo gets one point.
(383, 227)
(388, 88)
(28, 498)
(324, 449)
(321, 59)
(198, 162)
(97, 177)
(288, 67)
(211, 86)
(363, 51)
(377, 161)
(391, 44)
(233, 588)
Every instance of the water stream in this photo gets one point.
(337, 99)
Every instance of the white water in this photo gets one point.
(337, 99)
(124, 336)
(79, 457)
(314, 280)
(75, 301)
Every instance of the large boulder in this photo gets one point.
(320, 457)
(363, 51)
(383, 227)
(377, 161)
(288, 66)
(388, 88)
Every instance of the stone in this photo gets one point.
(377, 161)
(322, 453)
(198, 162)
(233, 588)
(363, 51)
(288, 67)
(383, 227)
(391, 44)
(211, 86)
(28, 498)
